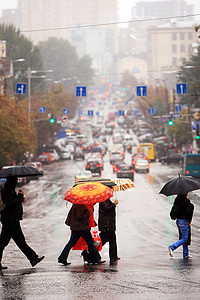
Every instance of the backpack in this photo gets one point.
(174, 212)
(2, 205)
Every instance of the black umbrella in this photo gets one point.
(19, 171)
(180, 186)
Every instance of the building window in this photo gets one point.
(182, 35)
(182, 48)
(174, 36)
(174, 61)
(174, 48)
(190, 35)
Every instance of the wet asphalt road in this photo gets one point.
(144, 231)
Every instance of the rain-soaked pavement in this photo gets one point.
(144, 231)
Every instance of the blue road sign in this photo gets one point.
(116, 113)
(42, 109)
(65, 111)
(97, 113)
(81, 91)
(136, 111)
(90, 113)
(151, 111)
(141, 90)
(181, 88)
(21, 88)
(80, 112)
(178, 108)
(121, 113)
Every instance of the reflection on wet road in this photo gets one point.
(144, 231)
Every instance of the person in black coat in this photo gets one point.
(11, 216)
(182, 212)
(78, 220)
(107, 226)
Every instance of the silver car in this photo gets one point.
(142, 165)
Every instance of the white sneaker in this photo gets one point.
(188, 256)
(170, 252)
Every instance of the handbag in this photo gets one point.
(81, 244)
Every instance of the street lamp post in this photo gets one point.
(29, 76)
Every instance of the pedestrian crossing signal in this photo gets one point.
(197, 132)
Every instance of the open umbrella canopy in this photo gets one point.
(105, 181)
(19, 171)
(180, 186)
(88, 193)
(122, 184)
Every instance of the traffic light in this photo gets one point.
(170, 122)
(51, 120)
(197, 132)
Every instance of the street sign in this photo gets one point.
(121, 113)
(181, 88)
(42, 109)
(141, 90)
(81, 91)
(178, 108)
(90, 113)
(21, 88)
(64, 119)
(151, 111)
(136, 111)
(65, 111)
(80, 112)
(97, 113)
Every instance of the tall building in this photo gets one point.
(75, 20)
(168, 46)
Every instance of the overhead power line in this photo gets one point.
(111, 23)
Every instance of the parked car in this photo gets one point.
(78, 153)
(45, 158)
(125, 171)
(141, 165)
(172, 158)
(54, 154)
(94, 166)
(83, 175)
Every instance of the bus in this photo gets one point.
(191, 165)
(148, 149)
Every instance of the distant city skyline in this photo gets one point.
(123, 5)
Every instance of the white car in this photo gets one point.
(83, 175)
(54, 154)
(65, 153)
(141, 165)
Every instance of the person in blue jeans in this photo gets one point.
(182, 212)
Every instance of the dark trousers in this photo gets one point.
(13, 230)
(75, 235)
(109, 237)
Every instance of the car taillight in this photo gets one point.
(121, 153)
(110, 154)
(132, 170)
(118, 170)
(147, 165)
(99, 165)
(82, 148)
(87, 166)
(136, 165)
(187, 172)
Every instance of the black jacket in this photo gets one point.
(13, 210)
(182, 209)
(78, 218)
(106, 220)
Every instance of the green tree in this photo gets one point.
(181, 131)
(18, 46)
(17, 136)
(61, 56)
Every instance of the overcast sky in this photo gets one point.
(124, 6)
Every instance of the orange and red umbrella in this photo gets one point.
(88, 193)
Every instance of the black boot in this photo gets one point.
(2, 268)
(86, 256)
